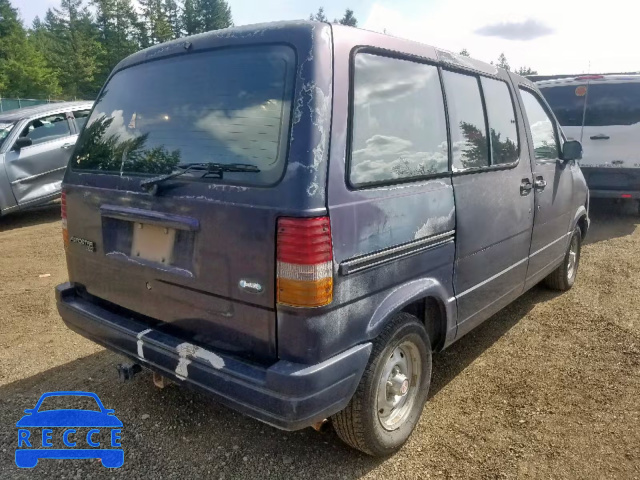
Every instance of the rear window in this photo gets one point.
(226, 106)
(567, 103)
(613, 104)
(607, 103)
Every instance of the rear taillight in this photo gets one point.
(63, 209)
(305, 262)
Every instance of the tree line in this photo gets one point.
(70, 51)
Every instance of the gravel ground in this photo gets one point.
(547, 388)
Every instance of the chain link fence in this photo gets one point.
(7, 104)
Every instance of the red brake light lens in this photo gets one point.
(305, 262)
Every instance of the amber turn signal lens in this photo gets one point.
(305, 294)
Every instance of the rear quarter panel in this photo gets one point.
(367, 221)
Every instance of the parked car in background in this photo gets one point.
(603, 113)
(35, 146)
(321, 208)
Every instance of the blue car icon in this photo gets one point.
(31, 448)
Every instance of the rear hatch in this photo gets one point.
(194, 255)
(611, 132)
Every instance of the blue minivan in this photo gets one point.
(293, 216)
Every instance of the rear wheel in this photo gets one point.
(392, 392)
(563, 277)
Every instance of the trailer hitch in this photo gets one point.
(127, 371)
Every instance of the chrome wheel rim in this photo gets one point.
(572, 261)
(398, 385)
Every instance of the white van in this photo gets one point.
(603, 113)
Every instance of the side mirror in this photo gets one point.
(571, 150)
(22, 142)
(29, 411)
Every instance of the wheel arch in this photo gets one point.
(425, 298)
(581, 219)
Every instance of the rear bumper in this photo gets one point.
(286, 395)
(612, 182)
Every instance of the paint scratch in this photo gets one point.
(186, 350)
(435, 225)
(139, 337)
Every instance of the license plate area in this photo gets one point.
(153, 243)
(146, 238)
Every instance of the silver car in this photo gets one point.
(35, 146)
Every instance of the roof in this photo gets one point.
(266, 32)
(21, 113)
(541, 78)
(592, 78)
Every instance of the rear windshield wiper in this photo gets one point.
(210, 168)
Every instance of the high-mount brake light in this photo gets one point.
(305, 262)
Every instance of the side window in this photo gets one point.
(502, 121)
(466, 115)
(543, 131)
(398, 126)
(46, 129)
(81, 118)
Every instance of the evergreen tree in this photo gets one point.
(214, 14)
(118, 27)
(348, 19)
(200, 16)
(23, 69)
(73, 48)
(190, 18)
(503, 63)
(172, 13)
(526, 71)
(70, 51)
(319, 16)
(156, 21)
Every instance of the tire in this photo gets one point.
(381, 430)
(563, 277)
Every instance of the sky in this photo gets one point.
(550, 36)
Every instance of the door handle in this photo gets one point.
(600, 136)
(540, 183)
(67, 146)
(525, 187)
